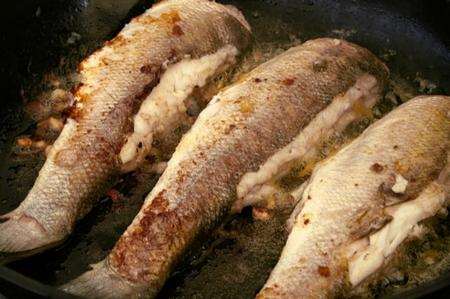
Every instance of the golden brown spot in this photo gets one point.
(401, 167)
(146, 69)
(159, 204)
(246, 106)
(181, 177)
(170, 17)
(82, 95)
(377, 168)
(74, 113)
(288, 81)
(104, 61)
(118, 41)
(323, 271)
(76, 88)
(145, 19)
(240, 78)
(177, 31)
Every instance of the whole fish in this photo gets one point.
(114, 82)
(241, 127)
(391, 177)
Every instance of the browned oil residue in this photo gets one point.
(362, 110)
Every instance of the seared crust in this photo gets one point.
(347, 196)
(239, 130)
(114, 81)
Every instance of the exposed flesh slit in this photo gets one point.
(165, 106)
(342, 111)
(368, 254)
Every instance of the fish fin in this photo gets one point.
(20, 236)
(101, 282)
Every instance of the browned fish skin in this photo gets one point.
(242, 126)
(347, 200)
(115, 79)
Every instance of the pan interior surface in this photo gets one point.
(234, 260)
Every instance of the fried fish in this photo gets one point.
(240, 129)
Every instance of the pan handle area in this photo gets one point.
(15, 285)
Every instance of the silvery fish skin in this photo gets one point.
(114, 81)
(347, 198)
(241, 127)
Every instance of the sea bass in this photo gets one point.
(361, 203)
(241, 127)
(115, 80)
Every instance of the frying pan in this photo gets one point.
(44, 37)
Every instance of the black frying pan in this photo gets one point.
(42, 36)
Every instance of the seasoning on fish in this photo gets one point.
(241, 128)
(351, 228)
(114, 81)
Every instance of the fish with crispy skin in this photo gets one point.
(114, 82)
(362, 203)
(240, 128)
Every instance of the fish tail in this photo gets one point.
(20, 235)
(100, 282)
